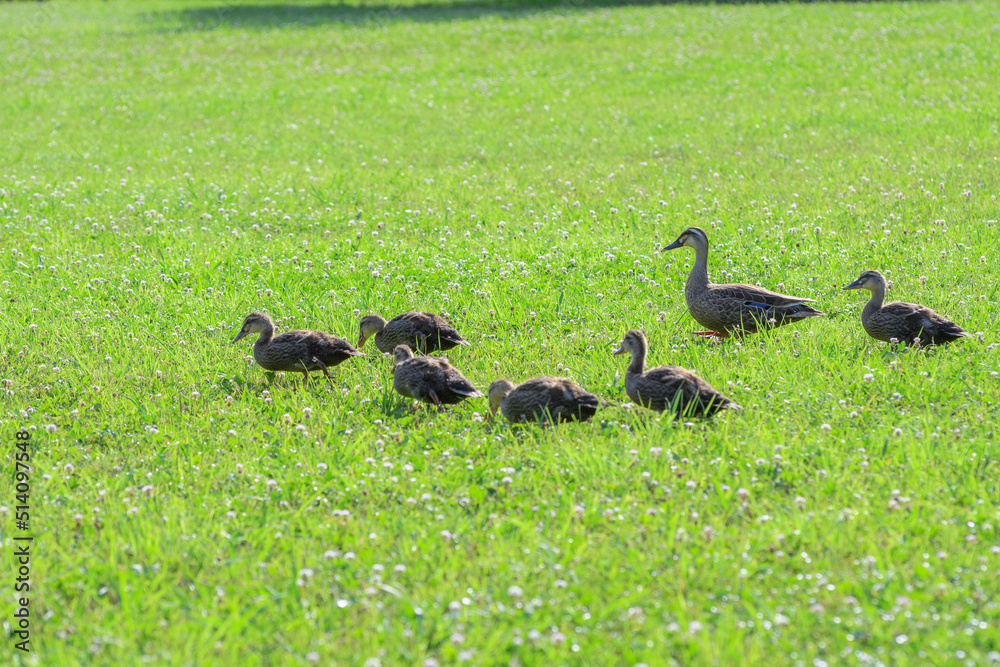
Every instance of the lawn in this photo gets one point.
(167, 167)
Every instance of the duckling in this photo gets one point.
(902, 322)
(298, 351)
(429, 379)
(667, 387)
(541, 398)
(736, 308)
(424, 332)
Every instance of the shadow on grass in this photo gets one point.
(273, 15)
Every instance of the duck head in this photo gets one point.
(255, 323)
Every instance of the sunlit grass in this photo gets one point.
(166, 168)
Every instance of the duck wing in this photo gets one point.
(758, 295)
(920, 321)
(569, 401)
(439, 334)
(459, 384)
(679, 387)
(329, 349)
(763, 305)
(563, 399)
(447, 381)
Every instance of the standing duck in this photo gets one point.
(901, 322)
(298, 351)
(542, 398)
(429, 379)
(424, 332)
(667, 387)
(736, 308)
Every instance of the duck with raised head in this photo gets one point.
(429, 379)
(542, 399)
(733, 308)
(668, 387)
(423, 332)
(901, 322)
(298, 351)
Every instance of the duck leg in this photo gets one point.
(434, 397)
(305, 373)
(323, 367)
(421, 340)
(712, 334)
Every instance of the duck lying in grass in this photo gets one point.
(736, 308)
(429, 379)
(423, 332)
(902, 322)
(667, 387)
(542, 399)
(298, 351)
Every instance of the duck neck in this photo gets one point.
(265, 335)
(876, 300)
(638, 364)
(698, 279)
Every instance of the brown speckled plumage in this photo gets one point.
(298, 351)
(904, 322)
(429, 379)
(667, 387)
(542, 398)
(422, 332)
(734, 308)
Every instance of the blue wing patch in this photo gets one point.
(754, 304)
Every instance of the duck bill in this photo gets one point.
(855, 285)
(240, 335)
(673, 246)
(361, 341)
(619, 350)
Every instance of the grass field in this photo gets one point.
(165, 168)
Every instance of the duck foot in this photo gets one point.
(715, 335)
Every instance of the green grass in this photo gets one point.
(166, 168)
